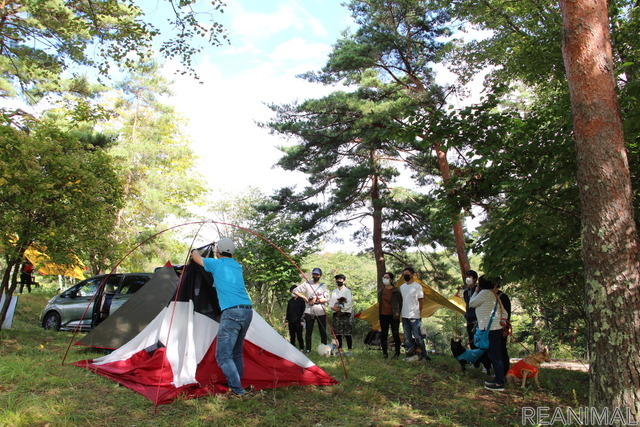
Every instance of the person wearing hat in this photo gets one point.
(341, 303)
(316, 294)
(294, 318)
(237, 311)
(470, 281)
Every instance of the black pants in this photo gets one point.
(25, 280)
(295, 332)
(349, 341)
(387, 320)
(505, 353)
(309, 320)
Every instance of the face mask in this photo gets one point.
(339, 283)
(316, 279)
(407, 277)
(469, 280)
(386, 281)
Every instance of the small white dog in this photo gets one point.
(327, 349)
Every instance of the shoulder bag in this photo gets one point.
(481, 337)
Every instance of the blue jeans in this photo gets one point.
(411, 329)
(496, 355)
(234, 324)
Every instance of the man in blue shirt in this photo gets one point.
(236, 310)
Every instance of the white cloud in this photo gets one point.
(268, 50)
(252, 25)
(299, 49)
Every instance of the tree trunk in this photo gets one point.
(609, 237)
(377, 225)
(10, 274)
(458, 231)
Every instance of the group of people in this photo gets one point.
(397, 304)
(307, 306)
(488, 307)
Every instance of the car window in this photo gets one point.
(112, 282)
(132, 284)
(89, 288)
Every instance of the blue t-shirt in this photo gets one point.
(228, 280)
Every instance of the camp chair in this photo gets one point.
(372, 340)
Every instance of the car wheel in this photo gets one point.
(52, 322)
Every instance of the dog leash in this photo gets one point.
(509, 331)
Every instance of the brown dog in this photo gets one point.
(527, 368)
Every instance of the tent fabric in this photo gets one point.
(134, 315)
(45, 267)
(175, 354)
(431, 303)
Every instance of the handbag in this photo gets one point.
(481, 337)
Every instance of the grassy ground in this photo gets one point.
(36, 389)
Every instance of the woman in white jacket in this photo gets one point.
(485, 300)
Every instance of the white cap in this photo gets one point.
(226, 245)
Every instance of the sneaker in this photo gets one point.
(233, 395)
(489, 382)
(484, 370)
(494, 387)
(411, 358)
(348, 354)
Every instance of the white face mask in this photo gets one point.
(469, 280)
(386, 281)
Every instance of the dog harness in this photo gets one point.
(522, 366)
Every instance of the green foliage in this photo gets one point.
(42, 39)
(524, 43)
(348, 145)
(360, 272)
(398, 39)
(156, 165)
(55, 192)
(47, 198)
(519, 161)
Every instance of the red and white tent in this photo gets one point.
(175, 354)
